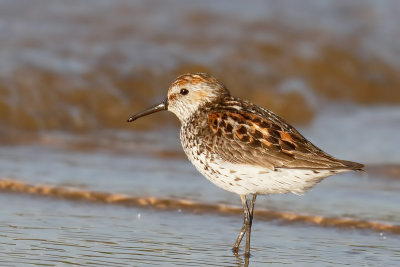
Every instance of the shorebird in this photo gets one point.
(241, 147)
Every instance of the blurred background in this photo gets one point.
(72, 72)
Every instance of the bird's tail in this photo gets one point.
(353, 165)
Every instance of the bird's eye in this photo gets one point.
(184, 91)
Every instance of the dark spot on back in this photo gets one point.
(255, 143)
(265, 125)
(245, 138)
(275, 134)
(245, 116)
(229, 128)
(287, 145)
(272, 140)
(257, 134)
(235, 118)
(275, 127)
(224, 116)
(257, 120)
(242, 130)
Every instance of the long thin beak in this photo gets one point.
(156, 108)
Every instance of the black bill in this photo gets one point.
(156, 108)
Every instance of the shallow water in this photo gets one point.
(49, 232)
(87, 189)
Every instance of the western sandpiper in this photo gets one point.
(241, 147)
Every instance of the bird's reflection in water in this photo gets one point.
(242, 260)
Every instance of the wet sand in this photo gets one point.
(11, 186)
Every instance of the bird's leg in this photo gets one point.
(249, 223)
(253, 200)
(235, 248)
(246, 227)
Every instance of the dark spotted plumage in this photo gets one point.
(248, 134)
(241, 147)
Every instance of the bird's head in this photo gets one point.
(187, 94)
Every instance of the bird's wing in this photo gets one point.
(244, 133)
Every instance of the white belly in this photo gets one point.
(249, 179)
